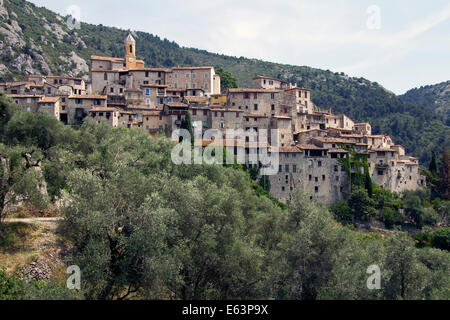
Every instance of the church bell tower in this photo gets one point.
(130, 52)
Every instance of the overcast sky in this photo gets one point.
(400, 44)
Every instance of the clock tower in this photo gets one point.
(130, 52)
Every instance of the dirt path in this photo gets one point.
(33, 220)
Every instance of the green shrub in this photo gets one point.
(423, 239)
(392, 217)
(441, 239)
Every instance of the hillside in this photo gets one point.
(37, 40)
(433, 97)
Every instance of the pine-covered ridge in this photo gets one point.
(37, 40)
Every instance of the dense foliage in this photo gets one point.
(143, 227)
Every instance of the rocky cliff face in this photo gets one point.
(35, 40)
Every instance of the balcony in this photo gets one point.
(382, 166)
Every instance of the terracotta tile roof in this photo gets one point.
(247, 115)
(151, 69)
(107, 59)
(176, 105)
(310, 130)
(352, 136)
(105, 70)
(103, 109)
(331, 140)
(196, 99)
(132, 90)
(88, 96)
(383, 149)
(250, 90)
(192, 68)
(154, 85)
(337, 150)
(282, 117)
(310, 147)
(16, 84)
(49, 99)
(288, 149)
(24, 96)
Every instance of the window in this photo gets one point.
(246, 95)
(310, 178)
(294, 168)
(194, 112)
(280, 168)
(323, 178)
(273, 107)
(146, 74)
(380, 172)
(255, 96)
(319, 164)
(237, 114)
(112, 90)
(316, 189)
(147, 91)
(222, 114)
(205, 112)
(148, 101)
(272, 96)
(206, 75)
(105, 77)
(316, 179)
(256, 107)
(206, 86)
(287, 168)
(121, 90)
(187, 75)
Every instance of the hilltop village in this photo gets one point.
(312, 142)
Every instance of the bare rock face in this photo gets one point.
(23, 63)
(12, 38)
(3, 11)
(79, 64)
(3, 69)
